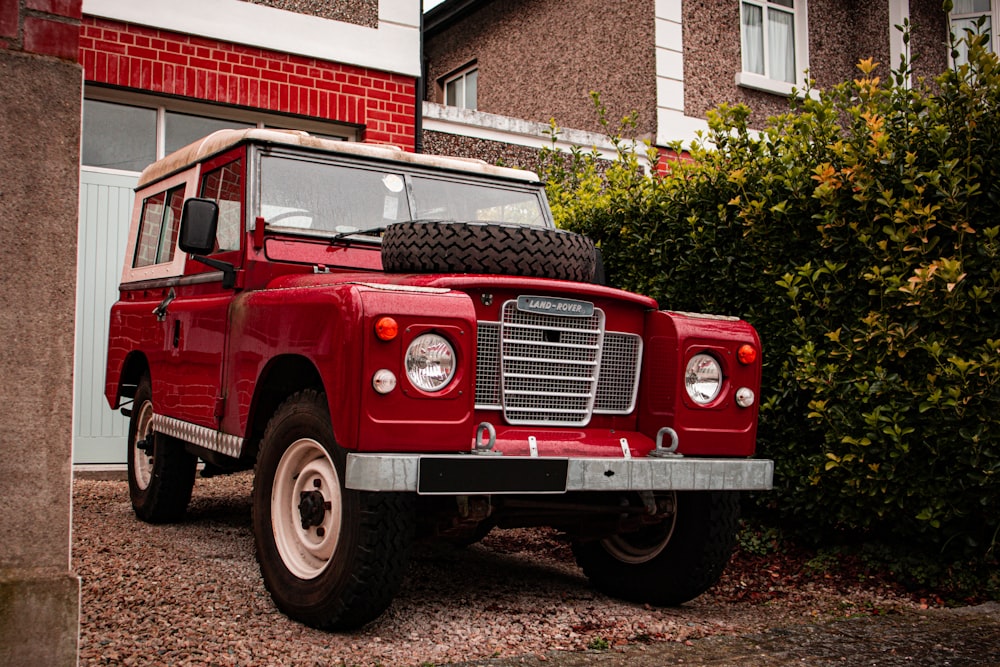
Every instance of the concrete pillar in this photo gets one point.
(40, 106)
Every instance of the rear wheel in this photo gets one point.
(160, 471)
(331, 557)
(670, 562)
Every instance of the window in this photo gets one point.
(965, 17)
(774, 37)
(182, 129)
(118, 136)
(158, 227)
(225, 186)
(129, 131)
(461, 90)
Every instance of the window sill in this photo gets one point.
(763, 84)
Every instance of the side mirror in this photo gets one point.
(199, 221)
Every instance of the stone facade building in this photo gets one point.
(521, 63)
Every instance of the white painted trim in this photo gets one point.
(671, 123)
(675, 126)
(899, 11)
(393, 47)
(758, 82)
(508, 130)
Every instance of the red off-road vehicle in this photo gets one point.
(403, 345)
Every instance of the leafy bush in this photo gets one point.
(860, 234)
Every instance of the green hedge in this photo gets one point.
(860, 234)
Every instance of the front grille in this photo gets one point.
(545, 369)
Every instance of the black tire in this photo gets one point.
(328, 577)
(437, 246)
(668, 563)
(160, 470)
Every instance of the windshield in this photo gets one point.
(326, 199)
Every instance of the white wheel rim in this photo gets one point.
(142, 460)
(643, 545)
(305, 469)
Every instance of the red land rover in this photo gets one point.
(404, 345)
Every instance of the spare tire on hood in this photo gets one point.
(439, 246)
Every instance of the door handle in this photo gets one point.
(161, 310)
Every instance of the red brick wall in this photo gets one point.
(44, 27)
(158, 61)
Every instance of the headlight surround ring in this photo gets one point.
(430, 362)
(703, 378)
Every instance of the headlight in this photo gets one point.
(703, 378)
(430, 362)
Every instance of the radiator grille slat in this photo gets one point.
(542, 369)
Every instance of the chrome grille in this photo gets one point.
(619, 380)
(548, 366)
(545, 369)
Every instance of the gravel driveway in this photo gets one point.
(191, 594)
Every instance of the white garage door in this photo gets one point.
(99, 433)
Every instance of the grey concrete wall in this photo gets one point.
(540, 59)
(39, 182)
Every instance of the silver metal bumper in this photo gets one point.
(470, 474)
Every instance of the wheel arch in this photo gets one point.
(283, 376)
(135, 366)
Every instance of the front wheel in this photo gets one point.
(160, 471)
(670, 562)
(332, 558)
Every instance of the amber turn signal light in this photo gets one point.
(386, 328)
(747, 354)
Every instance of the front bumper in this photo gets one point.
(474, 474)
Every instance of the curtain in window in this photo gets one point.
(753, 39)
(970, 6)
(781, 45)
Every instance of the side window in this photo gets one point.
(158, 227)
(971, 16)
(462, 89)
(225, 186)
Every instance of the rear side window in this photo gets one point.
(161, 218)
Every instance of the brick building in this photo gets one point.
(498, 70)
(159, 74)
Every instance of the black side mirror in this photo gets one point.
(199, 221)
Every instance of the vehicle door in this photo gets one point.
(197, 317)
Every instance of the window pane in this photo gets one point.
(970, 6)
(171, 225)
(451, 90)
(781, 45)
(182, 129)
(299, 194)
(149, 230)
(224, 186)
(471, 88)
(784, 3)
(118, 136)
(753, 39)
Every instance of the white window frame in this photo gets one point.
(992, 12)
(800, 11)
(462, 75)
(162, 105)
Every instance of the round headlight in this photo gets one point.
(703, 378)
(430, 362)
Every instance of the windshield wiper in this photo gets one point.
(345, 237)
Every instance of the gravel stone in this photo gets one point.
(191, 594)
